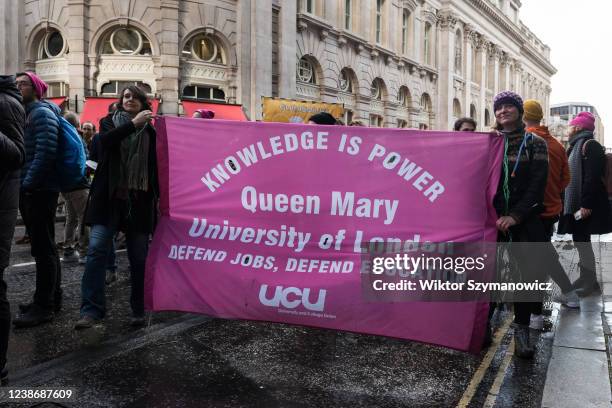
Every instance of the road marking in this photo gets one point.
(499, 378)
(61, 259)
(484, 365)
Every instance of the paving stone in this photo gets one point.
(580, 329)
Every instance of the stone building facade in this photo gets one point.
(561, 115)
(396, 63)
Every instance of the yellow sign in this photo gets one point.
(290, 111)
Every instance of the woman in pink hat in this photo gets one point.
(586, 210)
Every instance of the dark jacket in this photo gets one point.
(528, 184)
(140, 213)
(594, 194)
(41, 141)
(12, 156)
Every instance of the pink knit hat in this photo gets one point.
(40, 86)
(585, 120)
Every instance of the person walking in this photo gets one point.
(12, 156)
(519, 202)
(38, 201)
(558, 178)
(586, 208)
(123, 197)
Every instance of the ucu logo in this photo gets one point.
(291, 298)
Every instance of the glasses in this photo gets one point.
(23, 83)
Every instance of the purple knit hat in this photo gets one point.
(585, 120)
(508, 97)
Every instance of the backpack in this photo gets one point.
(71, 156)
(606, 177)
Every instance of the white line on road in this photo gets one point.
(34, 263)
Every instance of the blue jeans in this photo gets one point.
(93, 287)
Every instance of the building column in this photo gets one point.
(167, 85)
(287, 56)
(255, 72)
(469, 50)
(507, 74)
(13, 36)
(482, 55)
(446, 70)
(496, 59)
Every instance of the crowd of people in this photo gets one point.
(540, 184)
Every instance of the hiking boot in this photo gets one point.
(569, 299)
(71, 257)
(86, 322)
(536, 322)
(589, 289)
(4, 376)
(522, 348)
(111, 276)
(35, 316)
(23, 240)
(137, 321)
(24, 307)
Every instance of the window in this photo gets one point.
(402, 124)
(57, 89)
(305, 71)
(204, 48)
(487, 118)
(347, 14)
(456, 108)
(426, 103)
(344, 81)
(204, 93)
(379, 4)
(114, 87)
(310, 6)
(348, 116)
(473, 111)
(376, 91)
(458, 52)
(126, 41)
(405, 23)
(427, 44)
(376, 121)
(403, 97)
(53, 45)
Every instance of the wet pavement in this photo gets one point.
(185, 360)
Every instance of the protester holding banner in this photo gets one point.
(518, 203)
(465, 125)
(123, 197)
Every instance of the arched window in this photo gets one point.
(405, 30)
(403, 97)
(473, 111)
(204, 93)
(458, 52)
(426, 103)
(126, 41)
(345, 83)
(456, 108)
(306, 71)
(53, 45)
(377, 89)
(427, 44)
(205, 48)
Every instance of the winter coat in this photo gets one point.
(140, 213)
(12, 155)
(41, 141)
(594, 195)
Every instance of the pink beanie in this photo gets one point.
(585, 120)
(40, 86)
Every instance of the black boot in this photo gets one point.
(25, 307)
(35, 316)
(522, 348)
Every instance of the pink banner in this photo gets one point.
(265, 221)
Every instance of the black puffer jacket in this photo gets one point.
(12, 155)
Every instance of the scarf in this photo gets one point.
(134, 158)
(573, 192)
